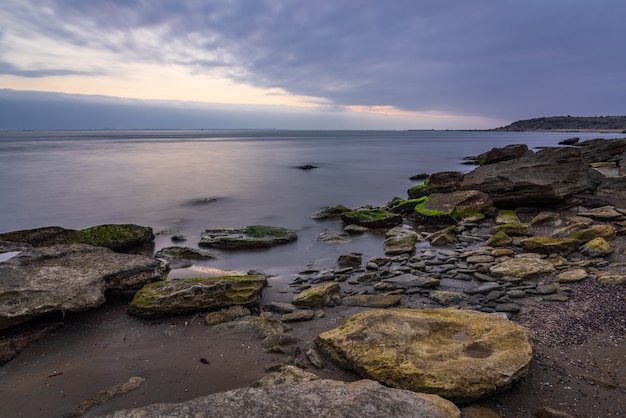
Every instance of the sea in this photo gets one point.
(183, 182)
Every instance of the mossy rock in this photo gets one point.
(507, 216)
(457, 354)
(116, 237)
(549, 245)
(499, 239)
(185, 253)
(404, 206)
(372, 218)
(417, 191)
(516, 229)
(318, 296)
(42, 237)
(179, 296)
(448, 208)
(254, 236)
(597, 231)
(331, 212)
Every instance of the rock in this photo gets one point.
(350, 260)
(509, 152)
(117, 237)
(450, 207)
(569, 141)
(405, 281)
(444, 182)
(315, 358)
(612, 279)
(317, 398)
(285, 375)
(612, 188)
(457, 354)
(104, 395)
(254, 236)
(506, 216)
(400, 240)
(546, 219)
(68, 278)
(372, 218)
(260, 328)
(597, 247)
(334, 237)
(508, 307)
(331, 212)
(549, 245)
(604, 213)
(477, 411)
(226, 315)
(172, 254)
(522, 267)
(307, 167)
(318, 296)
(549, 175)
(514, 229)
(595, 231)
(499, 239)
(444, 236)
(547, 289)
(447, 298)
(483, 288)
(600, 149)
(570, 276)
(298, 315)
(372, 301)
(480, 259)
(178, 296)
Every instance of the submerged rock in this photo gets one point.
(316, 398)
(185, 253)
(170, 297)
(254, 236)
(372, 218)
(457, 354)
(68, 278)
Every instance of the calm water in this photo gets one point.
(188, 181)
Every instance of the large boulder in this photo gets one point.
(254, 236)
(599, 149)
(547, 176)
(178, 296)
(457, 354)
(317, 398)
(67, 278)
(117, 237)
(509, 152)
(613, 188)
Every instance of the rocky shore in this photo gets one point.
(499, 292)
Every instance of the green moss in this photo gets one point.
(421, 210)
(262, 231)
(115, 236)
(368, 215)
(418, 191)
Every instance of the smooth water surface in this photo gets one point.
(188, 181)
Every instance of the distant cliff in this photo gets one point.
(569, 123)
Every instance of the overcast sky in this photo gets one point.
(322, 64)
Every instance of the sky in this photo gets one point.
(304, 64)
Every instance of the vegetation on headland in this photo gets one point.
(569, 124)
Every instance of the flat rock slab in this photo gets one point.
(254, 236)
(457, 354)
(178, 296)
(67, 278)
(318, 398)
(522, 267)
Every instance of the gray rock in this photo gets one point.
(172, 254)
(509, 152)
(548, 175)
(400, 240)
(317, 398)
(405, 281)
(299, 315)
(349, 260)
(254, 236)
(371, 301)
(68, 278)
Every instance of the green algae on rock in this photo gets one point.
(457, 354)
(178, 296)
(116, 237)
(318, 296)
(372, 218)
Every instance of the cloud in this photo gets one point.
(501, 59)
